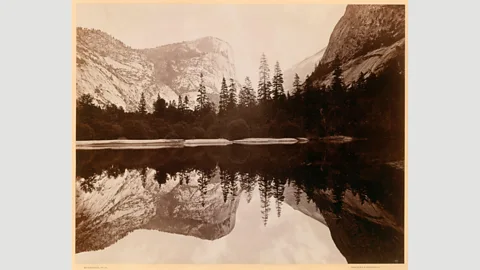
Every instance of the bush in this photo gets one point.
(238, 129)
(274, 130)
(199, 133)
(172, 135)
(137, 129)
(85, 132)
(161, 127)
(106, 130)
(214, 132)
(291, 130)
(208, 120)
(181, 129)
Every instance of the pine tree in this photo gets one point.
(186, 102)
(246, 95)
(225, 184)
(180, 103)
(233, 189)
(202, 94)
(202, 186)
(277, 83)
(264, 83)
(243, 96)
(159, 106)
(232, 95)
(297, 86)
(247, 184)
(297, 193)
(337, 82)
(264, 187)
(252, 99)
(338, 98)
(142, 107)
(224, 95)
(279, 189)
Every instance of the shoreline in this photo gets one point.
(179, 143)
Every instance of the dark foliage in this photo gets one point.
(372, 106)
(238, 129)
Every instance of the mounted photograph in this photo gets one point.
(239, 134)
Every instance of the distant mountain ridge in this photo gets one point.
(303, 68)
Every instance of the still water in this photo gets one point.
(302, 203)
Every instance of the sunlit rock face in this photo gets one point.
(179, 65)
(114, 73)
(108, 208)
(112, 207)
(196, 210)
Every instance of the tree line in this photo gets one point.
(371, 106)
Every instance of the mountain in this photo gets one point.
(359, 229)
(366, 39)
(179, 65)
(109, 208)
(292, 238)
(355, 226)
(303, 68)
(115, 73)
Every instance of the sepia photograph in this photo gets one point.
(239, 133)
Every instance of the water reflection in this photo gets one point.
(350, 188)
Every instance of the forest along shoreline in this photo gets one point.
(171, 143)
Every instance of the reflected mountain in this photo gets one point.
(352, 190)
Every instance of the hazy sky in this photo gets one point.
(287, 33)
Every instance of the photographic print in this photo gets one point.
(239, 134)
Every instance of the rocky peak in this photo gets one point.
(367, 39)
(364, 28)
(114, 73)
(179, 65)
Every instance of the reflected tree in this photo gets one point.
(202, 186)
(143, 176)
(278, 194)
(225, 183)
(264, 186)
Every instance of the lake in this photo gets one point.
(303, 203)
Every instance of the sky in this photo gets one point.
(286, 33)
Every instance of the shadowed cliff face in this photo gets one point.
(365, 28)
(112, 207)
(366, 39)
(359, 229)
